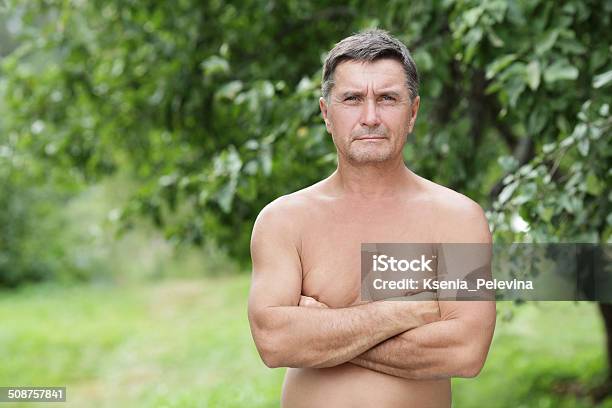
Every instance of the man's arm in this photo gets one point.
(291, 336)
(455, 346)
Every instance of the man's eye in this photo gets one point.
(388, 98)
(350, 98)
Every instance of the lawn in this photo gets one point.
(186, 343)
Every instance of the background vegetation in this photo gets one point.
(139, 140)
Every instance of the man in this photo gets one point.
(304, 306)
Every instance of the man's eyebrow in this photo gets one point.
(390, 92)
(351, 93)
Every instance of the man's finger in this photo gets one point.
(307, 301)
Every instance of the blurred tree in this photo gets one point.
(29, 203)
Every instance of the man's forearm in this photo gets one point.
(418, 354)
(292, 336)
(448, 348)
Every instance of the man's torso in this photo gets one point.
(331, 232)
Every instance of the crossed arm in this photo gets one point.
(455, 346)
(405, 339)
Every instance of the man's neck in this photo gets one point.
(372, 181)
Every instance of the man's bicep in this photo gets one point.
(277, 276)
(466, 252)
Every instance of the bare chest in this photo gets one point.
(331, 245)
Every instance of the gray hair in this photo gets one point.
(368, 46)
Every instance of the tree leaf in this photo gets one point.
(546, 42)
(499, 64)
(602, 80)
(594, 186)
(583, 146)
(533, 75)
(214, 65)
(507, 192)
(559, 71)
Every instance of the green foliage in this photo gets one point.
(34, 244)
(213, 106)
(563, 193)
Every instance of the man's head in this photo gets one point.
(370, 96)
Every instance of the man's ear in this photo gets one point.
(414, 110)
(323, 106)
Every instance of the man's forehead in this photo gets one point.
(382, 73)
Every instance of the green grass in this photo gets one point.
(544, 346)
(186, 343)
(171, 344)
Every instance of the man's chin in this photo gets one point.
(364, 159)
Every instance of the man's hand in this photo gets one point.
(428, 311)
(307, 301)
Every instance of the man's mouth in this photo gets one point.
(371, 137)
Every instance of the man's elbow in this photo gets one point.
(270, 353)
(274, 346)
(474, 361)
(275, 352)
(265, 331)
(472, 368)
(279, 346)
(274, 355)
(271, 360)
(476, 349)
(268, 346)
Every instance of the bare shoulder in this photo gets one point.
(286, 215)
(458, 218)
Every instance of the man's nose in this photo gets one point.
(369, 113)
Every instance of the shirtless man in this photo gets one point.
(304, 306)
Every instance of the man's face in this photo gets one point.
(369, 113)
